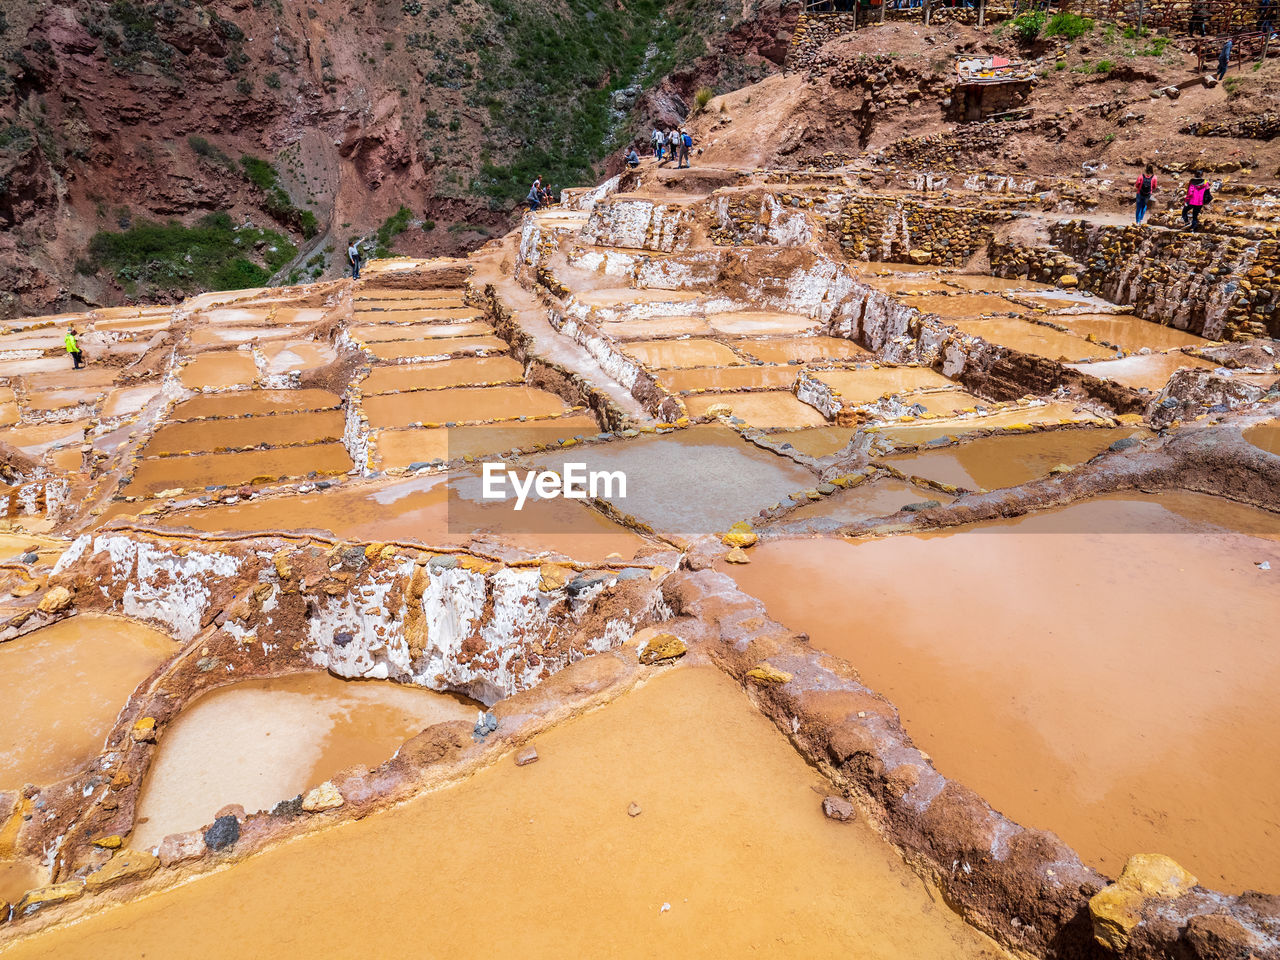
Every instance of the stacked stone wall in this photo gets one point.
(899, 229)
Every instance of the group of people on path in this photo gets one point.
(670, 145)
(1194, 200)
(538, 195)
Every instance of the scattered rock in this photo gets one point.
(112, 842)
(664, 646)
(180, 847)
(737, 555)
(44, 896)
(719, 410)
(144, 731)
(1124, 443)
(838, 808)
(740, 535)
(56, 600)
(554, 576)
(1117, 909)
(919, 256)
(485, 725)
(1068, 280)
(323, 797)
(922, 505)
(633, 809)
(767, 673)
(527, 755)
(224, 832)
(125, 865)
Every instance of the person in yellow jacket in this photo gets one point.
(73, 348)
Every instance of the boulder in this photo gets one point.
(768, 673)
(920, 256)
(45, 896)
(663, 646)
(740, 535)
(1068, 280)
(323, 797)
(1116, 910)
(144, 731)
(224, 832)
(180, 847)
(838, 808)
(125, 865)
(56, 600)
(527, 756)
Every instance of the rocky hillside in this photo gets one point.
(152, 148)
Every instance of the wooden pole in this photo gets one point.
(856, 4)
(982, 12)
(927, 6)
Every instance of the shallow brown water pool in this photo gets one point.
(731, 838)
(1079, 668)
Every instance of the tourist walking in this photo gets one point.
(655, 141)
(1145, 186)
(673, 144)
(353, 255)
(1197, 196)
(686, 142)
(1224, 59)
(73, 348)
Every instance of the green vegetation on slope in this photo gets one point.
(549, 72)
(212, 255)
(277, 203)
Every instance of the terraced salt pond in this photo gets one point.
(280, 430)
(220, 369)
(201, 470)
(404, 448)
(86, 668)
(731, 836)
(1142, 371)
(764, 409)
(866, 384)
(436, 509)
(988, 463)
(246, 402)
(463, 371)
(692, 481)
(1128, 332)
(1034, 338)
(668, 354)
(802, 349)
(461, 405)
(258, 742)
(1265, 436)
(754, 377)
(1073, 666)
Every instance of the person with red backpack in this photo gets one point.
(1145, 186)
(1197, 196)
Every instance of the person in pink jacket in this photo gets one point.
(1144, 186)
(1197, 196)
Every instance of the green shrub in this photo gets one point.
(213, 254)
(273, 81)
(1027, 26)
(703, 97)
(391, 228)
(1069, 25)
(259, 172)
